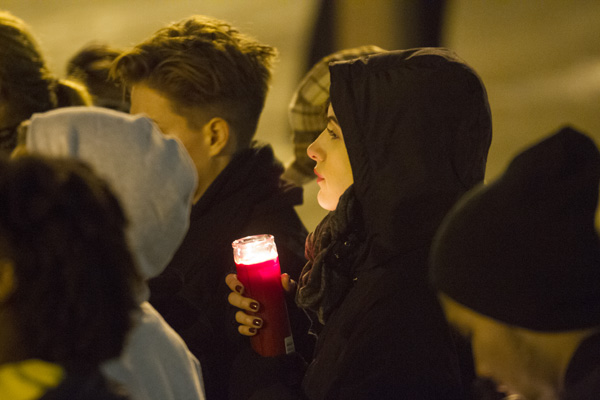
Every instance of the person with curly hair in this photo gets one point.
(67, 280)
(154, 179)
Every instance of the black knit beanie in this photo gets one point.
(524, 250)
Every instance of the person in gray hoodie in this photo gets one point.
(155, 180)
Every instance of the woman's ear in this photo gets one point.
(219, 137)
(7, 279)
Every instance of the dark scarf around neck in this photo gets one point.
(333, 251)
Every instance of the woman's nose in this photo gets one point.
(314, 151)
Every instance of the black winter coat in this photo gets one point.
(247, 198)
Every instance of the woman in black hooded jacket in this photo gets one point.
(416, 126)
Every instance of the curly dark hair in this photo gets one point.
(206, 68)
(63, 231)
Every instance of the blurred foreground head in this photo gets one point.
(67, 277)
(518, 263)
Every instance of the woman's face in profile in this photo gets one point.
(334, 174)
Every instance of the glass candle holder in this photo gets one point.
(257, 264)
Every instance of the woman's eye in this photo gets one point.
(332, 134)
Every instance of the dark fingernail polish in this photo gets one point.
(252, 330)
(238, 289)
(257, 322)
(254, 306)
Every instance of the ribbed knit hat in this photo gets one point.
(524, 250)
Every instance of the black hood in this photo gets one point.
(417, 127)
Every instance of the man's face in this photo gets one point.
(502, 353)
(152, 103)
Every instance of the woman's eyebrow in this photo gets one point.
(333, 119)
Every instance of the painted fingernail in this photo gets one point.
(254, 306)
(257, 322)
(252, 330)
(238, 289)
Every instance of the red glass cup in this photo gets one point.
(257, 265)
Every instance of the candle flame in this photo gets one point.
(254, 249)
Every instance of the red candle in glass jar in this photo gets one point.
(258, 269)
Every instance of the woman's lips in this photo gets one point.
(319, 177)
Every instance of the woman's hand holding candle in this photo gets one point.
(249, 324)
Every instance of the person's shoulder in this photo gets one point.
(153, 331)
(153, 344)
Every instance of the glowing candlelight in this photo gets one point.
(258, 269)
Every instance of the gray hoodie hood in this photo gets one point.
(152, 175)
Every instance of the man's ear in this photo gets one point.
(7, 279)
(218, 134)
